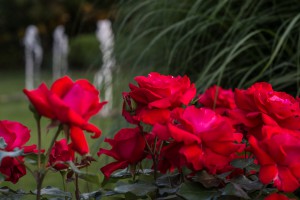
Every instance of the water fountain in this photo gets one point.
(103, 78)
(60, 52)
(33, 57)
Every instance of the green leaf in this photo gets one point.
(138, 189)
(7, 193)
(89, 177)
(115, 197)
(194, 191)
(233, 189)
(206, 179)
(3, 144)
(167, 191)
(92, 195)
(146, 127)
(33, 158)
(223, 175)
(121, 174)
(53, 191)
(242, 163)
(247, 184)
(168, 180)
(15, 153)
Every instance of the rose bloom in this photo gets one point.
(70, 103)
(201, 137)
(218, 99)
(247, 111)
(278, 157)
(60, 153)
(127, 149)
(15, 135)
(260, 105)
(155, 95)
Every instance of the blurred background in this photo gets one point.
(232, 43)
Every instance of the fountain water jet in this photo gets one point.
(33, 57)
(103, 78)
(60, 52)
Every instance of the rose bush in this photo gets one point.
(220, 144)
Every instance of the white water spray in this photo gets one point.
(33, 57)
(60, 52)
(103, 78)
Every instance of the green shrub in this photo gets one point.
(84, 52)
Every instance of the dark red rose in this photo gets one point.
(218, 99)
(170, 158)
(127, 149)
(13, 168)
(156, 95)
(247, 111)
(281, 107)
(71, 103)
(278, 156)
(61, 152)
(15, 135)
(260, 105)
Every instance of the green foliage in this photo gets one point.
(85, 52)
(231, 43)
(193, 191)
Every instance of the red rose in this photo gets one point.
(281, 107)
(170, 158)
(156, 95)
(15, 135)
(260, 105)
(127, 148)
(71, 103)
(218, 99)
(13, 168)
(247, 111)
(276, 196)
(206, 139)
(60, 153)
(278, 156)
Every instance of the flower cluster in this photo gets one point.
(178, 129)
(209, 131)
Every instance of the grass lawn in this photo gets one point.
(14, 106)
